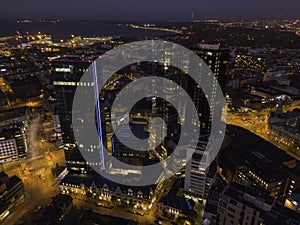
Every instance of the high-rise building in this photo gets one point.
(68, 70)
(66, 73)
(199, 175)
(217, 59)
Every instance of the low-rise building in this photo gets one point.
(3, 99)
(248, 159)
(251, 205)
(13, 142)
(14, 115)
(174, 204)
(102, 189)
(125, 154)
(285, 128)
(11, 191)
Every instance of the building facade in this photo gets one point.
(199, 175)
(13, 143)
(66, 73)
(244, 205)
(110, 193)
(217, 59)
(11, 190)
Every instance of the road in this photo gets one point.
(38, 180)
(257, 122)
(35, 172)
(149, 216)
(32, 137)
(119, 212)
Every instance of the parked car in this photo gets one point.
(38, 209)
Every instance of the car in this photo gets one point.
(140, 213)
(38, 209)
(99, 204)
(158, 221)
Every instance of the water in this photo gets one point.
(63, 30)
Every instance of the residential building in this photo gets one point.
(252, 205)
(106, 191)
(248, 159)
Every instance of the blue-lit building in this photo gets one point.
(66, 72)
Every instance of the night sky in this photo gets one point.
(121, 10)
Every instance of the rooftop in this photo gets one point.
(248, 149)
(179, 202)
(99, 181)
(13, 113)
(241, 193)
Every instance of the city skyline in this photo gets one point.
(134, 10)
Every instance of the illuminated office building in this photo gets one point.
(217, 59)
(66, 73)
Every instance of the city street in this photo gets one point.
(127, 212)
(119, 212)
(257, 123)
(35, 172)
(38, 183)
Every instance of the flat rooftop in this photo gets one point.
(13, 113)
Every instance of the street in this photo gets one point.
(35, 172)
(257, 123)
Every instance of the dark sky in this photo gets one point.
(150, 9)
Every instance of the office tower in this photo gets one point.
(199, 175)
(66, 73)
(217, 59)
(156, 107)
(161, 107)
